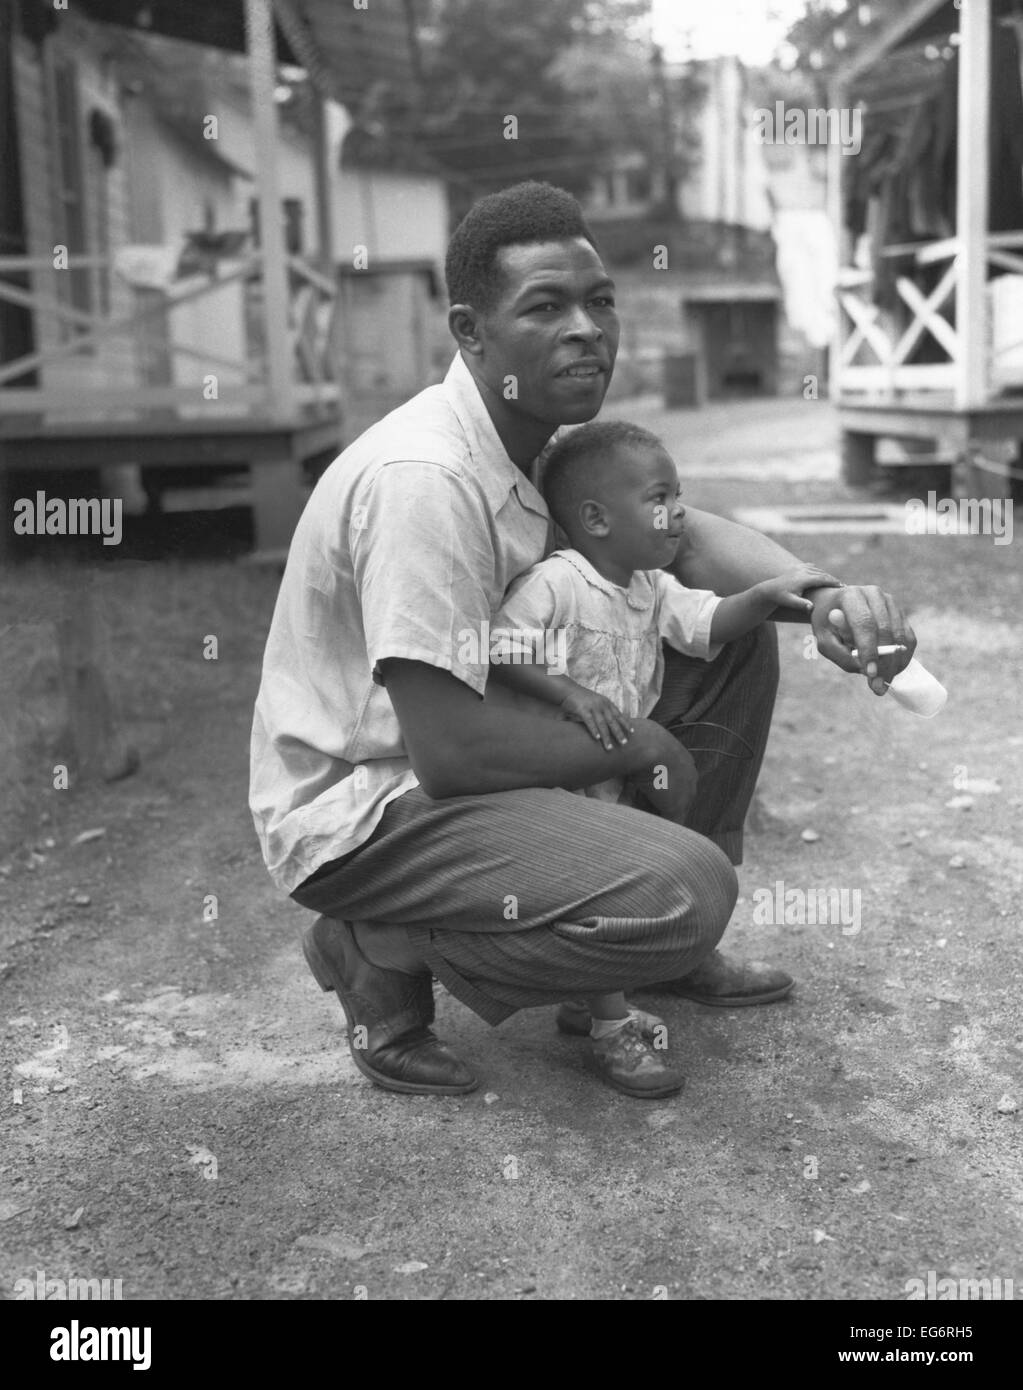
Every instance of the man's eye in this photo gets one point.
(540, 308)
(605, 301)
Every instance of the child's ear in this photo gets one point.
(593, 516)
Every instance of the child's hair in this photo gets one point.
(580, 461)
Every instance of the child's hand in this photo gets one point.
(786, 591)
(603, 719)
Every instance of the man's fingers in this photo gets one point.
(836, 645)
(867, 614)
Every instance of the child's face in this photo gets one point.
(644, 509)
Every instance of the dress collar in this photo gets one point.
(639, 595)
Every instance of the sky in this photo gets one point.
(750, 28)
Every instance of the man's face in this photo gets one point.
(553, 329)
(644, 509)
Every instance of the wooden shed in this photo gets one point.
(929, 220)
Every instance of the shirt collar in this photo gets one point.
(496, 472)
(639, 594)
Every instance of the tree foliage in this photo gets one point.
(549, 89)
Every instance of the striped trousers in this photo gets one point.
(518, 899)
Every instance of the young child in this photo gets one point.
(614, 492)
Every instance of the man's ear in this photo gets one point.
(593, 516)
(464, 323)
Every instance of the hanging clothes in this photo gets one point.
(905, 187)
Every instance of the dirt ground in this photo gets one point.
(179, 1110)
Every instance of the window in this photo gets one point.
(293, 217)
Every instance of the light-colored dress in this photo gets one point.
(609, 637)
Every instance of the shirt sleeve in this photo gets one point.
(422, 559)
(684, 616)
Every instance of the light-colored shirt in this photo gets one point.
(612, 637)
(405, 549)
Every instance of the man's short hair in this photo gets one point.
(523, 214)
(573, 468)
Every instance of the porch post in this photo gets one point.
(323, 172)
(262, 79)
(972, 201)
(838, 95)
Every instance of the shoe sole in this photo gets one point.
(660, 1094)
(735, 1001)
(324, 978)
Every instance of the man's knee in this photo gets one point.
(719, 888)
(702, 877)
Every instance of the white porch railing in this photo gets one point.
(867, 333)
(114, 372)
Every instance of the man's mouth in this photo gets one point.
(584, 369)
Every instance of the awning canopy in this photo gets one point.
(346, 51)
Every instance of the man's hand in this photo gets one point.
(862, 618)
(600, 716)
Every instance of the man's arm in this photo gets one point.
(461, 746)
(728, 558)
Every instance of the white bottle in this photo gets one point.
(918, 691)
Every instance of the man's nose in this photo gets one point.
(580, 325)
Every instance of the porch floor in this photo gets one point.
(274, 451)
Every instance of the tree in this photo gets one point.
(516, 89)
(627, 101)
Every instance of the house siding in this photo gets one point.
(111, 363)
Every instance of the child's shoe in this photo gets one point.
(574, 1017)
(628, 1062)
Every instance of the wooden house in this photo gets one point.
(717, 313)
(111, 353)
(929, 216)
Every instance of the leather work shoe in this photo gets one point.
(388, 1014)
(728, 983)
(574, 1017)
(629, 1063)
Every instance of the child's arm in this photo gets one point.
(602, 718)
(741, 613)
